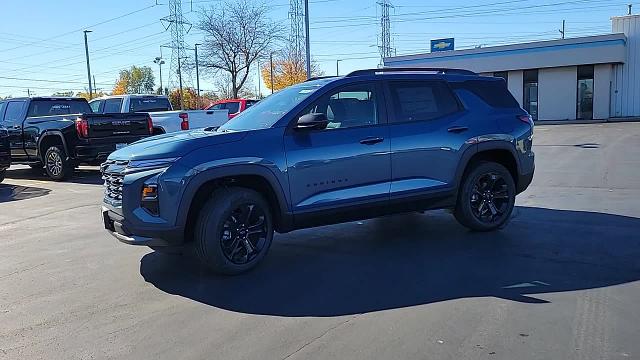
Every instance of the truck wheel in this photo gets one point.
(58, 168)
(486, 197)
(234, 231)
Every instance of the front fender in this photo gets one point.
(204, 174)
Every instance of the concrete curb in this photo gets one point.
(569, 122)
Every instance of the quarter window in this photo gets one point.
(421, 101)
(14, 110)
(347, 107)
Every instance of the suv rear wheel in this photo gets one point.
(56, 164)
(234, 231)
(486, 197)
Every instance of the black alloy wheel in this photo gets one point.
(56, 164)
(244, 234)
(489, 198)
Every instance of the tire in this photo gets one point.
(489, 183)
(57, 167)
(234, 231)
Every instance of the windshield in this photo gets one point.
(50, 107)
(267, 112)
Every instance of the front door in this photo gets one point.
(14, 114)
(348, 163)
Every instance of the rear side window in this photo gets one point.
(148, 104)
(421, 100)
(14, 110)
(112, 105)
(58, 107)
(494, 93)
(233, 107)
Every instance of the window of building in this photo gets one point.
(420, 101)
(584, 107)
(502, 74)
(530, 80)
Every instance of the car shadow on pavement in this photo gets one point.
(15, 193)
(414, 259)
(80, 176)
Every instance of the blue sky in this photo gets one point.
(42, 46)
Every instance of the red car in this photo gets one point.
(235, 106)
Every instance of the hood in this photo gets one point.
(175, 144)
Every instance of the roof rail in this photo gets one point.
(411, 69)
(319, 77)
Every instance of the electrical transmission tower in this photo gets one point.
(178, 25)
(296, 32)
(384, 44)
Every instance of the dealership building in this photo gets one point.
(591, 77)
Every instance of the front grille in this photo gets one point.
(113, 186)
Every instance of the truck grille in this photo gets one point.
(113, 186)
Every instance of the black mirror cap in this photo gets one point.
(315, 121)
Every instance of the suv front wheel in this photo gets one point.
(486, 198)
(234, 231)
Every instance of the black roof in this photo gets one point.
(47, 98)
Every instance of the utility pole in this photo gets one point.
(271, 62)
(180, 81)
(95, 88)
(338, 67)
(630, 6)
(197, 77)
(385, 30)
(28, 92)
(158, 60)
(306, 32)
(562, 31)
(86, 50)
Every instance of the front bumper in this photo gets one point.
(116, 226)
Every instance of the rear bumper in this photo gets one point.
(118, 227)
(99, 149)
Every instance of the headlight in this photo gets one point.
(151, 164)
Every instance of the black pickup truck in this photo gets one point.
(5, 152)
(61, 133)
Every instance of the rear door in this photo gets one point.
(14, 114)
(429, 131)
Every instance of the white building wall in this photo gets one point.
(557, 93)
(626, 78)
(601, 91)
(515, 85)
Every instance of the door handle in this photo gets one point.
(457, 129)
(371, 140)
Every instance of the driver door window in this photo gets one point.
(348, 107)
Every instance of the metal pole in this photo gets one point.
(86, 50)
(180, 81)
(306, 30)
(259, 80)
(630, 6)
(161, 87)
(337, 67)
(197, 77)
(271, 61)
(95, 88)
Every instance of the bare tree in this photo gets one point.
(237, 33)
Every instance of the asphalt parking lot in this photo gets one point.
(562, 281)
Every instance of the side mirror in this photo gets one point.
(315, 121)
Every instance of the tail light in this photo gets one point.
(150, 125)
(82, 127)
(184, 125)
(526, 119)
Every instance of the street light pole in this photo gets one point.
(158, 60)
(306, 29)
(197, 77)
(338, 67)
(86, 50)
(271, 62)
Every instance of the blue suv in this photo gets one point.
(328, 150)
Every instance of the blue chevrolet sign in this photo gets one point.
(441, 45)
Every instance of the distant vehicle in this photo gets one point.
(371, 143)
(5, 152)
(61, 133)
(165, 119)
(234, 106)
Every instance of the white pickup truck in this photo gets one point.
(165, 119)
